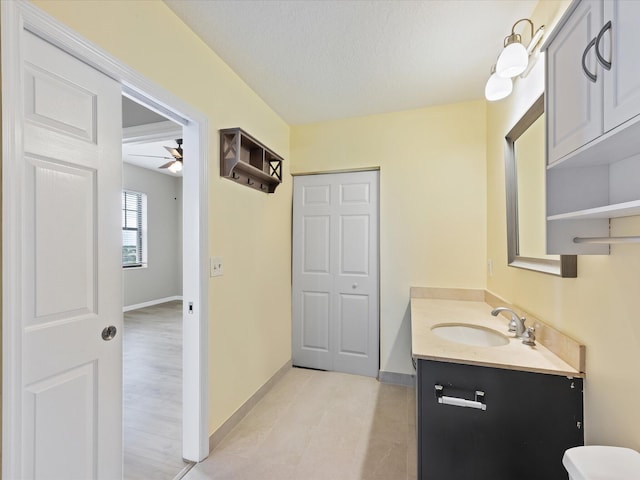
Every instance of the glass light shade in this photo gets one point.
(512, 61)
(175, 167)
(497, 88)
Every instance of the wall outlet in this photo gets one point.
(216, 267)
(490, 267)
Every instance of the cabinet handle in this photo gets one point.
(460, 402)
(601, 59)
(591, 76)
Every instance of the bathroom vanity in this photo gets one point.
(489, 411)
(529, 420)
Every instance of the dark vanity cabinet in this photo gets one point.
(481, 423)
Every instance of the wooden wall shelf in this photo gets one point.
(246, 161)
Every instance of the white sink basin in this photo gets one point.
(470, 334)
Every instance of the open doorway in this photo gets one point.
(193, 239)
(152, 293)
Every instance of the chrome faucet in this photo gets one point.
(516, 324)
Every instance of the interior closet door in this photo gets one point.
(335, 272)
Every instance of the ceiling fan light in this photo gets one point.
(175, 167)
(497, 87)
(513, 60)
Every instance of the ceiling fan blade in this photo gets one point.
(167, 165)
(150, 156)
(174, 151)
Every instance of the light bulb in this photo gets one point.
(512, 61)
(497, 87)
(175, 167)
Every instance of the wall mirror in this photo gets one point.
(526, 214)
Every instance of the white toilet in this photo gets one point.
(602, 463)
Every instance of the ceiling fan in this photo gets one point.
(175, 163)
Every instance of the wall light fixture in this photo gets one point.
(513, 61)
(497, 87)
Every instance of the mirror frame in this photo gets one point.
(567, 266)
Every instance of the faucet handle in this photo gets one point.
(529, 337)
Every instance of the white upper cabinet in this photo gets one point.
(593, 123)
(574, 98)
(619, 46)
(593, 74)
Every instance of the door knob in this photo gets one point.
(109, 332)
(355, 285)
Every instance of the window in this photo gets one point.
(134, 229)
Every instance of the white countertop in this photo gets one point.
(427, 312)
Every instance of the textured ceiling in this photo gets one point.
(315, 60)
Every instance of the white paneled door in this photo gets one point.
(65, 393)
(335, 272)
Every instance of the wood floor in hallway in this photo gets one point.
(153, 392)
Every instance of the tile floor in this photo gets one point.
(321, 426)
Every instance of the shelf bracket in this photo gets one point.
(606, 240)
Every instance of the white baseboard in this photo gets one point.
(394, 378)
(151, 303)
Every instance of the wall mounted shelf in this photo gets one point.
(246, 161)
(624, 209)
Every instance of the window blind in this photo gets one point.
(132, 242)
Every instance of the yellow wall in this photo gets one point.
(599, 308)
(432, 201)
(250, 306)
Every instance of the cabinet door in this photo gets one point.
(620, 46)
(529, 421)
(574, 102)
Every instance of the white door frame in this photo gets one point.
(19, 15)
